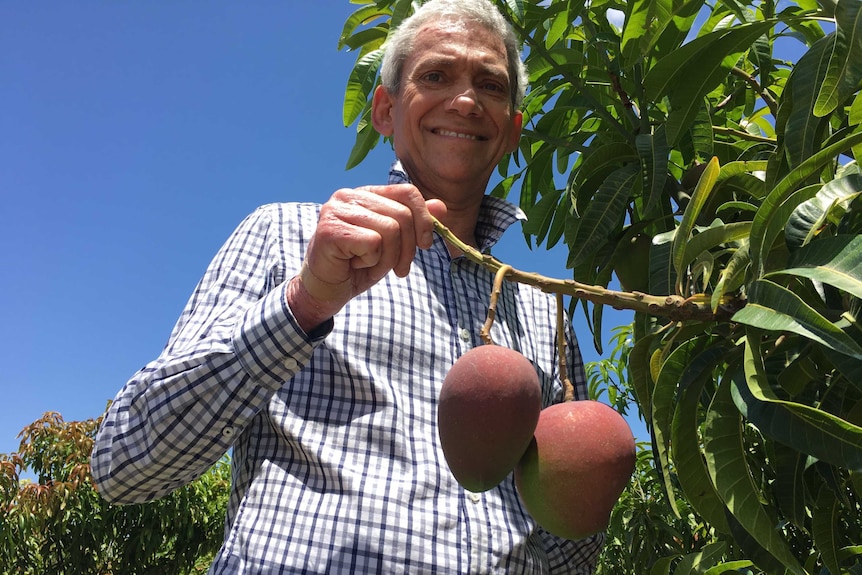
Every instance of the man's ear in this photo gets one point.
(381, 112)
(515, 136)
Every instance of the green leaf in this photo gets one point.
(692, 71)
(714, 236)
(603, 214)
(360, 85)
(653, 151)
(810, 216)
(664, 394)
(689, 217)
(559, 23)
(400, 11)
(695, 563)
(562, 218)
(836, 261)
(845, 64)
(803, 129)
(540, 215)
(849, 368)
(702, 134)
(504, 186)
(516, 9)
(647, 20)
(538, 177)
(802, 427)
(366, 138)
(825, 528)
(685, 443)
(728, 468)
(789, 487)
(662, 565)
(360, 17)
(671, 69)
(369, 39)
(729, 566)
(601, 160)
(731, 277)
(776, 308)
(639, 374)
(761, 242)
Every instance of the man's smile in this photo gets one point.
(462, 135)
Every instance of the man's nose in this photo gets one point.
(466, 102)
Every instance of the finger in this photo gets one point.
(410, 196)
(437, 209)
(352, 236)
(403, 222)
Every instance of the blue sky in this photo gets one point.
(135, 137)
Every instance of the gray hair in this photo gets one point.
(400, 43)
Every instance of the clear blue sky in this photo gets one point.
(134, 137)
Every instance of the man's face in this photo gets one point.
(453, 120)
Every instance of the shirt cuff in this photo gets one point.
(270, 345)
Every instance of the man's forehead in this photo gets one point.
(442, 40)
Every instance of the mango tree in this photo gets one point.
(52, 519)
(703, 155)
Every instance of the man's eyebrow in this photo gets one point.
(443, 61)
(436, 61)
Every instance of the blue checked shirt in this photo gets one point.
(337, 466)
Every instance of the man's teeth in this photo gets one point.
(457, 135)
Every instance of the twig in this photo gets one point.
(568, 388)
(764, 94)
(485, 332)
(674, 307)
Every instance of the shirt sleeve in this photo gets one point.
(234, 345)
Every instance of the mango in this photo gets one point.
(580, 460)
(631, 264)
(488, 408)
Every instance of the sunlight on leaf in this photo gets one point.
(845, 64)
(683, 232)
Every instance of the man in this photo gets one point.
(316, 343)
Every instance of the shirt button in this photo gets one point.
(227, 432)
(464, 334)
(290, 363)
(474, 497)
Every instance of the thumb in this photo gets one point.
(436, 208)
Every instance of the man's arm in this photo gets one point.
(241, 337)
(233, 347)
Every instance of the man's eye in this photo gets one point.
(433, 77)
(494, 87)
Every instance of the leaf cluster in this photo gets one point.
(52, 520)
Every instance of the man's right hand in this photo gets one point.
(362, 235)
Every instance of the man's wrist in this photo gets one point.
(309, 312)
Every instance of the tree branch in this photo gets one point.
(674, 307)
(764, 94)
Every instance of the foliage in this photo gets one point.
(727, 133)
(57, 523)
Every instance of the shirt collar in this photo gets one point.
(495, 214)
